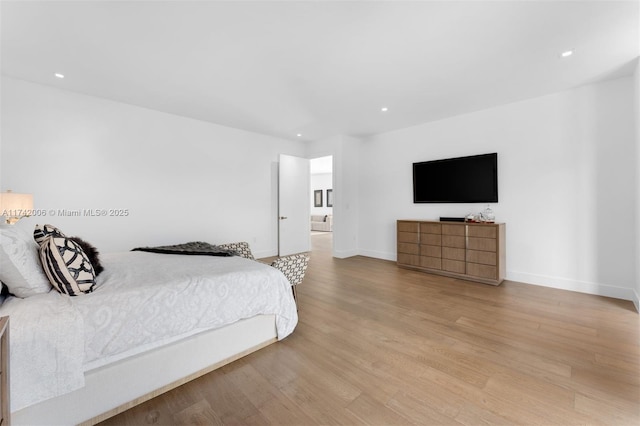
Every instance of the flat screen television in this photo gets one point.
(472, 179)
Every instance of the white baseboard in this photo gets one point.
(636, 300)
(343, 254)
(378, 254)
(575, 285)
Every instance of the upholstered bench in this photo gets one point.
(293, 266)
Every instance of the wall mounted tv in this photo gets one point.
(472, 179)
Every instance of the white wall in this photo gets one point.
(566, 185)
(180, 179)
(346, 162)
(321, 181)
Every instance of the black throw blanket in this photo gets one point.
(192, 248)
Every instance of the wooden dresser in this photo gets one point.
(470, 251)
(5, 413)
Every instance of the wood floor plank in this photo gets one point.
(424, 406)
(609, 411)
(376, 376)
(313, 400)
(374, 412)
(272, 404)
(436, 381)
(199, 413)
(378, 345)
(228, 401)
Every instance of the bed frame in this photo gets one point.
(116, 387)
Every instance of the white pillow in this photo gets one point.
(20, 267)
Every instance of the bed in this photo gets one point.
(151, 323)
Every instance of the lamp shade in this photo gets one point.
(14, 206)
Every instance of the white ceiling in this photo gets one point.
(318, 68)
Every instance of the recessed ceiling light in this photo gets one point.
(58, 75)
(566, 53)
(299, 135)
(384, 109)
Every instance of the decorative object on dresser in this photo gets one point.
(469, 251)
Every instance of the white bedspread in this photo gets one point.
(46, 347)
(141, 301)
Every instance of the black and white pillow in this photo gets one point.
(41, 232)
(67, 266)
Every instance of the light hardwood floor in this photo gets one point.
(380, 345)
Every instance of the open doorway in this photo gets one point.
(321, 207)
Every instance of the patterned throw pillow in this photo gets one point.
(67, 266)
(242, 249)
(293, 267)
(41, 232)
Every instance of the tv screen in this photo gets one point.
(472, 179)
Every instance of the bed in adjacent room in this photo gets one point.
(149, 323)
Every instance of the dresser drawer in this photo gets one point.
(482, 244)
(430, 262)
(453, 253)
(408, 248)
(431, 239)
(408, 259)
(453, 241)
(408, 237)
(482, 231)
(430, 228)
(431, 251)
(409, 227)
(482, 271)
(483, 257)
(453, 230)
(456, 266)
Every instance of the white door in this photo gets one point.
(293, 206)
